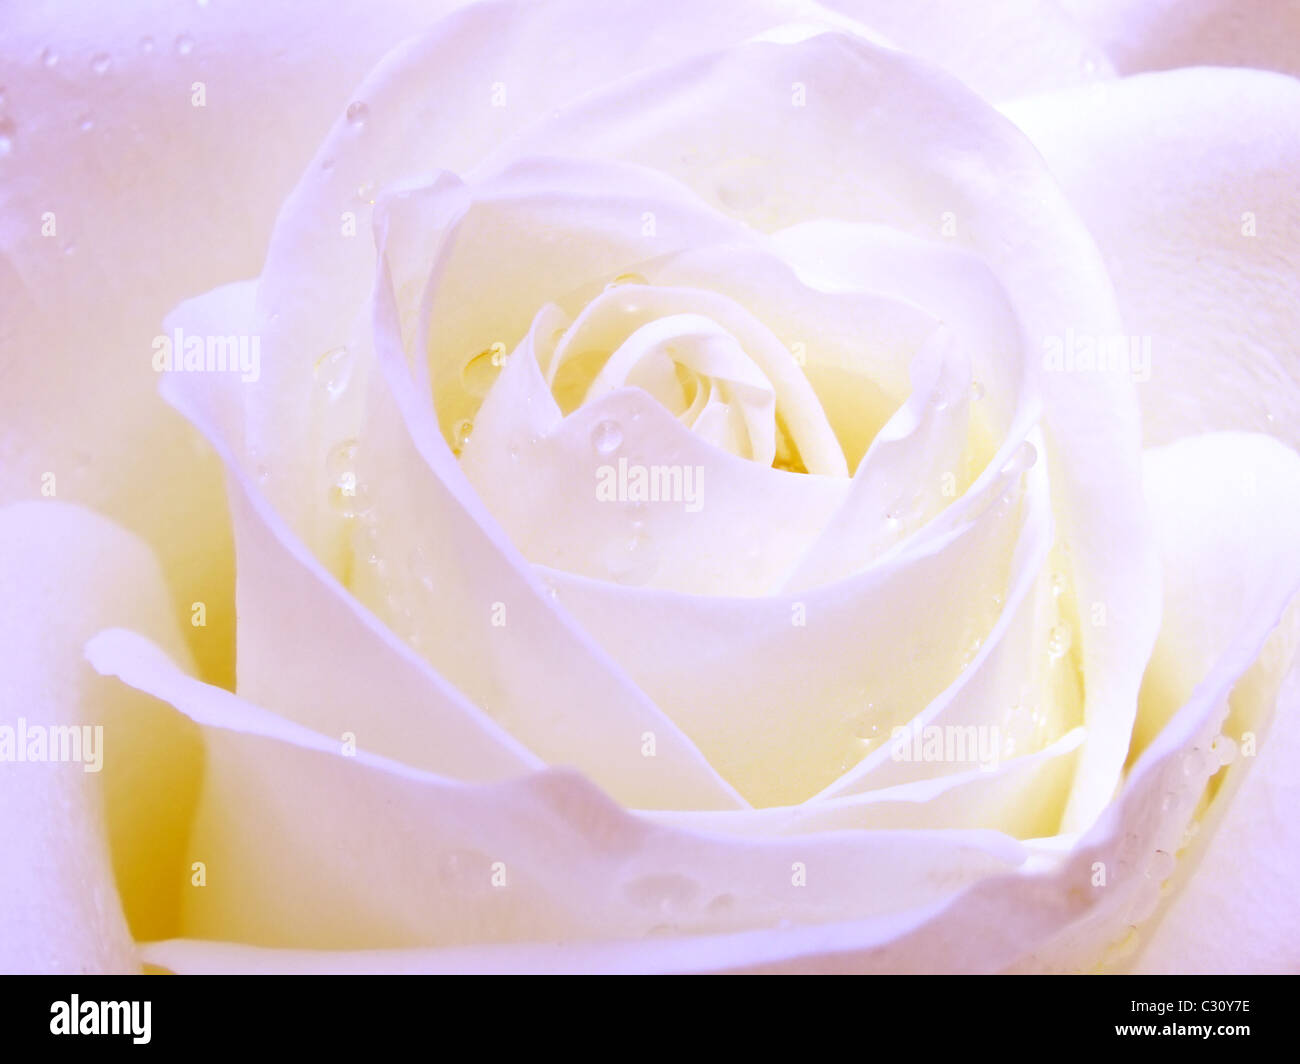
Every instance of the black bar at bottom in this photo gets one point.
(387, 1013)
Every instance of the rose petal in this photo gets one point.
(306, 846)
(839, 157)
(954, 287)
(107, 148)
(1187, 181)
(74, 835)
(1017, 690)
(1208, 505)
(1159, 35)
(809, 680)
(330, 624)
(1235, 495)
(441, 103)
(1234, 910)
(1001, 50)
(1020, 796)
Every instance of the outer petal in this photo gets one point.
(1232, 496)
(1235, 910)
(1001, 49)
(1161, 34)
(541, 680)
(1187, 181)
(307, 847)
(102, 142)
(66, 831)
(1215, 497)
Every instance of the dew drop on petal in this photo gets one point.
(333, 371)
(342, 458)
(480, 372)
(101, 62)
(422, 569)
(624, 279)
(49, 57)
(1162, 866)
(357, 113)
(1022, 461)
(1058, 641)
(632, 562)
(464, 430)
(1225, 749)
(607, 437)
(184, 44)
(665, 894)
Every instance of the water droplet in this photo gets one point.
(1162, 866)
(100, 63)
(481, 372)
(184, 44)
(1023, 460)
(1058, 585)
(357, 113)
(87, 124)
(1058, 641)
(607, 437)
(6, 137)
(1225, 749)
(665, 894)
(366, 192)
(626, 278)
(333, 371)
(351, 498)
(463, 870)
(977, 390)
(464, 430)
(632, 562)
(342, 458)
(739, 195)
(49, 57)
(146, 45)
(421, 566)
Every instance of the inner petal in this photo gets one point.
(709, 361)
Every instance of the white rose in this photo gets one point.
(688, 490)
